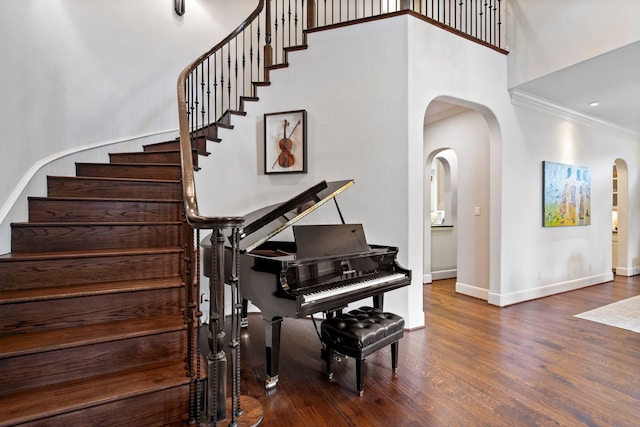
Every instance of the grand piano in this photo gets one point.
(324, 268)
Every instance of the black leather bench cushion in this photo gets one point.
(361, 329)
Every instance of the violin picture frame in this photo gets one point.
(285, 142)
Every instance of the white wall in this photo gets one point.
(538, 261)
(80, 73)
(548, 35)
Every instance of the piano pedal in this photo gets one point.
(244, 322)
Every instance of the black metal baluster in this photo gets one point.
(494, 37)
(499, 23)
(215, 85)
(203, 110)
(275, 34)
(289, 23)
(295, 23)
(228, 106)
(283, 35)
(244, 63)
(333, 11)
(325, 13)
(222, 81)
(476, 15)
(208, 91)
(237, 69)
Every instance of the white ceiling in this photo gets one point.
(612, 79)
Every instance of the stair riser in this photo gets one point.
(166, 172)
(34, 238)
(200, 145)
(89, 310)
(29, 274)
(89, 187)
(147, 157)
(39, 369)
(165, 408)
(57, 210)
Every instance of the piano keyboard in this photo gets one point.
(358, 283)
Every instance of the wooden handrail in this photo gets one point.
(192, 212)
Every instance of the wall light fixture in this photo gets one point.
(179, 5)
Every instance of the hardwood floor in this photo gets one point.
(530, 364)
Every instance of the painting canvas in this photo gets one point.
(567, 195)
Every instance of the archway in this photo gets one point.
(443, 214)
(620, 219)
(463, 127)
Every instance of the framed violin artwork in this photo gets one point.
(285, 142)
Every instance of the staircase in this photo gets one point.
(95, 311)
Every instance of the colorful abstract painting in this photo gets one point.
(567, 195)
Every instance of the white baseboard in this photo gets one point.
(444, 274)
(472, 291)
(503, 300)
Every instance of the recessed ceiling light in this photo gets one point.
(595, 103)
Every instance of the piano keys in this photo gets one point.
(324, 268)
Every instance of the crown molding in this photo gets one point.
(532, 102)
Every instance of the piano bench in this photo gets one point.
(360, 333)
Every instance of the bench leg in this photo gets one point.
(359, 376)
(394, 356)
(329, 362)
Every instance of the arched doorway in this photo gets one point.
(460, 129)
(443, 215)
(620, 219)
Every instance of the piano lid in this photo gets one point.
(263, 224)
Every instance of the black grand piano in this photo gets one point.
(323, 269)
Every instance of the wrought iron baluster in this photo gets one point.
(235, 69)
(215, 86)
(208, 92)
(203, 110)
(228, 105)
(283, 35)
(295, 24)
(499, 23)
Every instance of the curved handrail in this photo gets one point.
(190, 199)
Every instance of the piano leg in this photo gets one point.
(272, 330)
(378, 301)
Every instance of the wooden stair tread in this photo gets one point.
(92, 223)
(31, 405)
(168, 165)
(56, 339)
(72, 291)
(159, 151)
(93, 253)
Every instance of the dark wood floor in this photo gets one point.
(530, 364)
